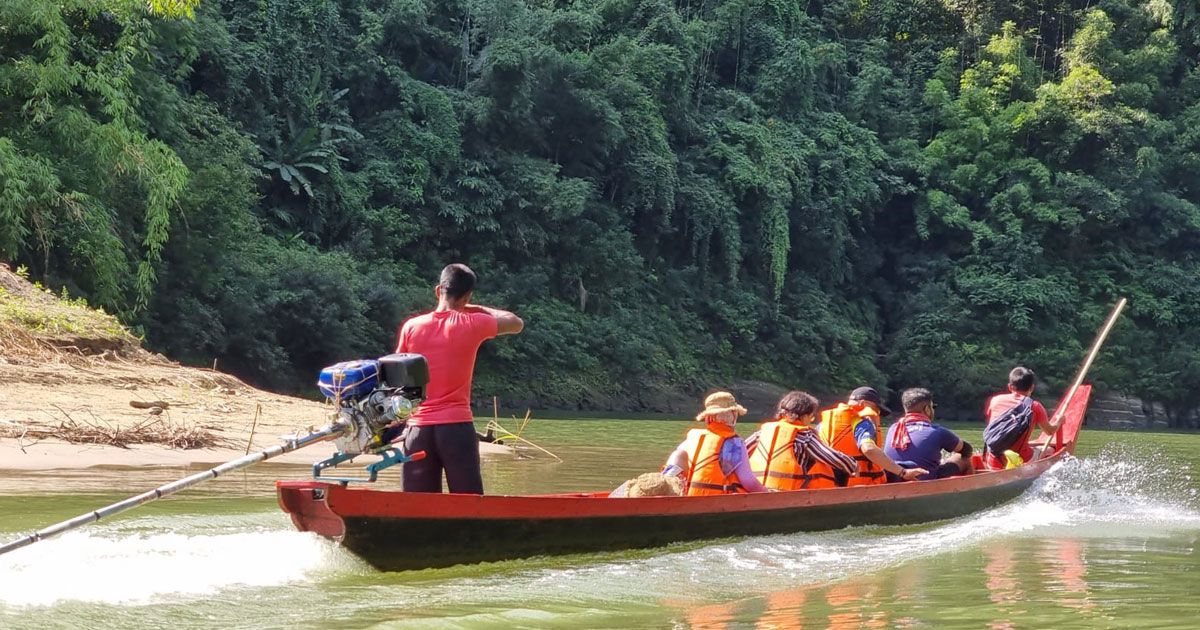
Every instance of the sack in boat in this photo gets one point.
(1004, 431)
(650, 485)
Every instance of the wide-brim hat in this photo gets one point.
(720, 402)
(870, 395)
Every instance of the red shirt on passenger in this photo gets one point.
(449, 340)
(1000, 403)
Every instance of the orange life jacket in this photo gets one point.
(837, 430)
(774, 459)
(704, 475)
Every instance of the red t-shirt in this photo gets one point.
(449, 340)
(1000, 403)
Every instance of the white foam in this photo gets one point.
(89, 567)
(146, 560)
(1115, 495)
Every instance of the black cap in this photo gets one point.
(870, 395)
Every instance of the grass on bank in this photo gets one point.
(36, 322)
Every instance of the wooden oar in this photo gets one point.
(1083, 370)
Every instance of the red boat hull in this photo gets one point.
(398, 531)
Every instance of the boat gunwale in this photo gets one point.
(344, 502)
(348, 502)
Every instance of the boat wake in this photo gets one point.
(1118, 494)
(140, 560)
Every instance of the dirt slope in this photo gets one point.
(68, 376)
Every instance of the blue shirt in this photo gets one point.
(733, 453)
(863, 430)
(925, 451)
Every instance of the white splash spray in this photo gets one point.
(118, 565)
(179, 558)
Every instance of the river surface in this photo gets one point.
(1108, 540)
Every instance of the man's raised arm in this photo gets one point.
(506, 322)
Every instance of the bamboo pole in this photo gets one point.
(253, 427)
(1101, 337)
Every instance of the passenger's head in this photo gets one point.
(1021, 380)
(869, 397)
(721, 407)
(917, 400)
(796, 405)
(456, 283)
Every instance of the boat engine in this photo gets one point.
(370, 395)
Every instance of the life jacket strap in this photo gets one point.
(805, 477)
(871, 469)
(729, 487)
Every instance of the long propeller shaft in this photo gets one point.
(332, 431)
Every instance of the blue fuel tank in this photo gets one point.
(349, 380)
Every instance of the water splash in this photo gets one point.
(1119, 493)
(115, 568)
(1123, 484)
(1122, 492)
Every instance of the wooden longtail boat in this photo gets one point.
(395, 530)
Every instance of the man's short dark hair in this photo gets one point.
(915, 397)
(457, 280)
(1021, 379)
(797, 404)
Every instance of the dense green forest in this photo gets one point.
(672, 194)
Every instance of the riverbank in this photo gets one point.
(79, 391)
(94, 396)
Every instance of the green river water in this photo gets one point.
(1105, 541)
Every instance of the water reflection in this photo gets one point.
(1067, 570)
(1023, 582)
(1087, 551)
(784, 610)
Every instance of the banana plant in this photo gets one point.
(309, 150)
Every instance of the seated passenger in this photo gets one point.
(1020, 388)
(713, 460)
(786, 454)
(916, 442)
(852, 428)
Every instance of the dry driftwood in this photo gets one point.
(155, 430)
(139, 404)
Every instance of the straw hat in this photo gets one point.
(720, 402)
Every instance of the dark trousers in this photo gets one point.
(453, 448)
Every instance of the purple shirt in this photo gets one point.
(925, 451)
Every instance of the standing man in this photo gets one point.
(442, 426)
(916, 442)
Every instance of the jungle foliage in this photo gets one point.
(672, 194)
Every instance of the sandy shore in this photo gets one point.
(55, 454)
(96, 394)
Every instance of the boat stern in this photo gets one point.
(305, 502)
